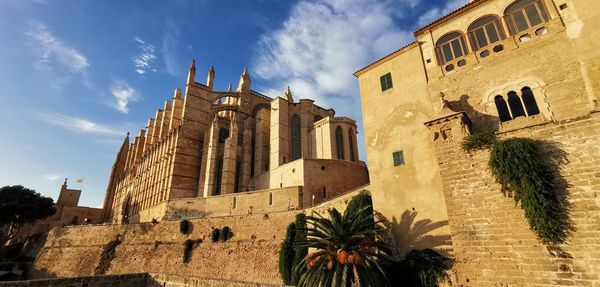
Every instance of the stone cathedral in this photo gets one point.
(208, 152)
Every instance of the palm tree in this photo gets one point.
(346, 249)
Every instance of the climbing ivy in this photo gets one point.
(520, 168)
(188, 247)
(479, 141)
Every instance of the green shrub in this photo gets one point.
(479, 141)
(300, 251)
(225, 234)
(184, 226)
(108, 254)
(520, 168)
(286, 255)
(419, 268)
(215, 234)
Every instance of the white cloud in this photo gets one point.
(169, 48)
(323, 42)
(123, 94)
(82, 125)
(55, 58)
(143, 60)
(436, 12)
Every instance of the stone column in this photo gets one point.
(209, 161)
(230, 156)
(246, 155)
(280, 139)
(261, 142)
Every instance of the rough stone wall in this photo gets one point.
(493, 243)
(251, 255)
(126, 280)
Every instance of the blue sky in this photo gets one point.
(75, 76)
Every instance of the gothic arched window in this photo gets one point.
(485, 31)
(351, 144)
(524, 14)
(339, 142)
(296, 138)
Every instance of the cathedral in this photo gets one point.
(219, 152)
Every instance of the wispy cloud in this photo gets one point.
(169, 47)
(56, 59)
(437, 12)
(82, 125)
(51, 177)
(143, 60)
(123, 94)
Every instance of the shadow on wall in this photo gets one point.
(479, 121)
(408, 234)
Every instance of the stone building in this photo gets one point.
(518, 68)
(68, 212)
(232, 152)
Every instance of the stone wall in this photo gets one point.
(125, 280)
(251, 255)
(493, 243)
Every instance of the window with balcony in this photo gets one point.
(450, 47)
(484, 32)
(522, 15)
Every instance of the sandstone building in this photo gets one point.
(232, 152)
(527, 68)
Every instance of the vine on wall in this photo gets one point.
(108, 254)
(524, 173)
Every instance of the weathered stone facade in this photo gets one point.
(525, 68)
(216, 143)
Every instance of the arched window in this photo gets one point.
(270, 198)
(516, 107)
(485, 31)
(234, 203)
(529, 101)
(296, 142)
(450, 46)
(339, 142)
(524, 14)
(502, 108)
(351, 144)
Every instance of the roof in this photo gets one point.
(384, 58)
(471, 4)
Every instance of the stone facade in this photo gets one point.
(209, 143)
(516, 68)
(68, 212)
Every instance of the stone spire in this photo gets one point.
(230, 88)
(177, 93)
(244, 85)
(288, 95)
(211, 77)
(192, 73)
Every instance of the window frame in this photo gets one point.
(511, 23)
(398, 158)
(498, 28)
(439, 52)
(386, 82)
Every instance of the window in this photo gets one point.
(386, 81)
(485, 31)
(234, 204)
(523, 105)
(270, 198)
(339, 142)
(524, 14)
(296, 142)
(351, 144)
(398, 158)
(450, 47)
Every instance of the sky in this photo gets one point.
(76, 76)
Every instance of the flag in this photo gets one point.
(79, 181)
